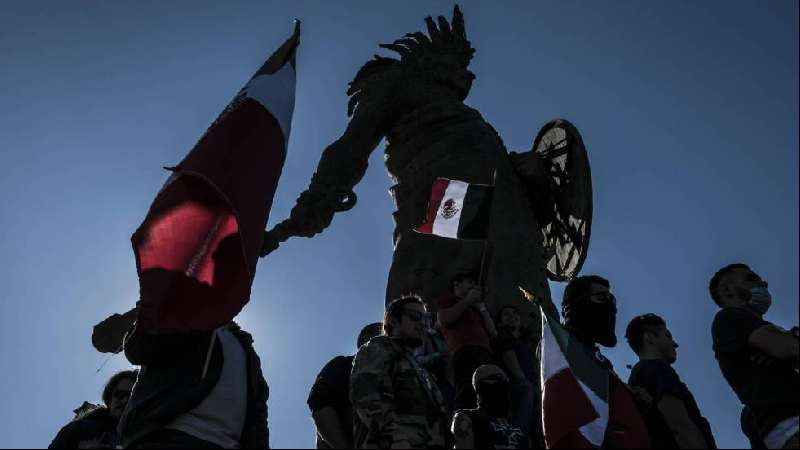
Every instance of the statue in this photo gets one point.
(541, 211)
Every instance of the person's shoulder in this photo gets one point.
(377, 346)
(447, 300)
(647, 370)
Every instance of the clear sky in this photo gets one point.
(689, 111)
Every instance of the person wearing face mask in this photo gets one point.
(489, 425)
(589, 311)
(673, 417)
(757, 358)
(396, 401)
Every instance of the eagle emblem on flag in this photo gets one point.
(449, 209)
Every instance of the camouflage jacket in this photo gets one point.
(394, 399)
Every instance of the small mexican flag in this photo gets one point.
(458, 210)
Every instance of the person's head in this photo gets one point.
(508, 318)
(462, 283)
(590, 310)
(736, 285)
(405, 319)
(492, 389)
(118, 390)
(369, 332)
(649, 338)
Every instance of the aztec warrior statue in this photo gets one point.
(540, 216)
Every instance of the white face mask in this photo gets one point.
(760, 300)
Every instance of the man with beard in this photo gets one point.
(396, 401)
(489, 425)
(758, 359)
(590, 315)
(96, 428)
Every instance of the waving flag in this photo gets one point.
(458, 210)
(197, 249)
(584, 405)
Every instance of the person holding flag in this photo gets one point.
(201, 384)
(584, 403)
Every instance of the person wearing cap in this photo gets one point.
(329, 399)
(673, 418)
(489, 425)
(757, 358)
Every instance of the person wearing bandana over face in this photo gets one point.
(589, 310)
(396, 401)
(757, 358)
(489, 425)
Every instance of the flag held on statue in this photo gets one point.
(197, 249)
(458, 210)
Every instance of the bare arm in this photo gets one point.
(511, 362)
(329, 427)
(687, 435)
(773, 341)
(463, 432)
(488, 322)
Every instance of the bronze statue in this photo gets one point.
(541, 212)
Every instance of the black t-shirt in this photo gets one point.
(525, 355)
(493, 432)
(659, 379)
(772, 392)
(331, 390)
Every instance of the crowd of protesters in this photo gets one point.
(457, 378)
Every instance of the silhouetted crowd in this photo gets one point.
(457, 377)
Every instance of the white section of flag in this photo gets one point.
(553, 362)
(449, 214)
(275, 92)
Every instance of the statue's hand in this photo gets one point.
(530, 165)
(313, 213)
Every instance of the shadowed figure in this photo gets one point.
(539, 222)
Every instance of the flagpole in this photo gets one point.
(482, 273)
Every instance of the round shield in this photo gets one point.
(568, 226)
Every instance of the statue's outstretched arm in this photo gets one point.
(340, 168)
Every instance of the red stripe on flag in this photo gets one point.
(625, 423)
(197, 249)
(437, 193)
(565, 409)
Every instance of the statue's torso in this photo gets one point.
(452, 140)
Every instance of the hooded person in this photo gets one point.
(489, 425)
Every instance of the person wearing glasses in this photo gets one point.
(467, 328)
(489, 425)
(673, 419)
(757, 358)
(396, 401)
(589, 311)
(95, 427)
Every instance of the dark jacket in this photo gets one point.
(95, 429)
(174, 380)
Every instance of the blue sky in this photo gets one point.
(689, 111)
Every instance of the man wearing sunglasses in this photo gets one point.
(589, 310)
(96, 427)
(396, 401)
(489, 425)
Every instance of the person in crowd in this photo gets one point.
(674, 420)
(757, 358)
(396, 401)
(195, 390)
(467, 327)
(589, 311)
(96, 427)
(434, 356)
(329, 399)
(489, 425)
(517, 358)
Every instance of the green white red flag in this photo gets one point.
(197, 249)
